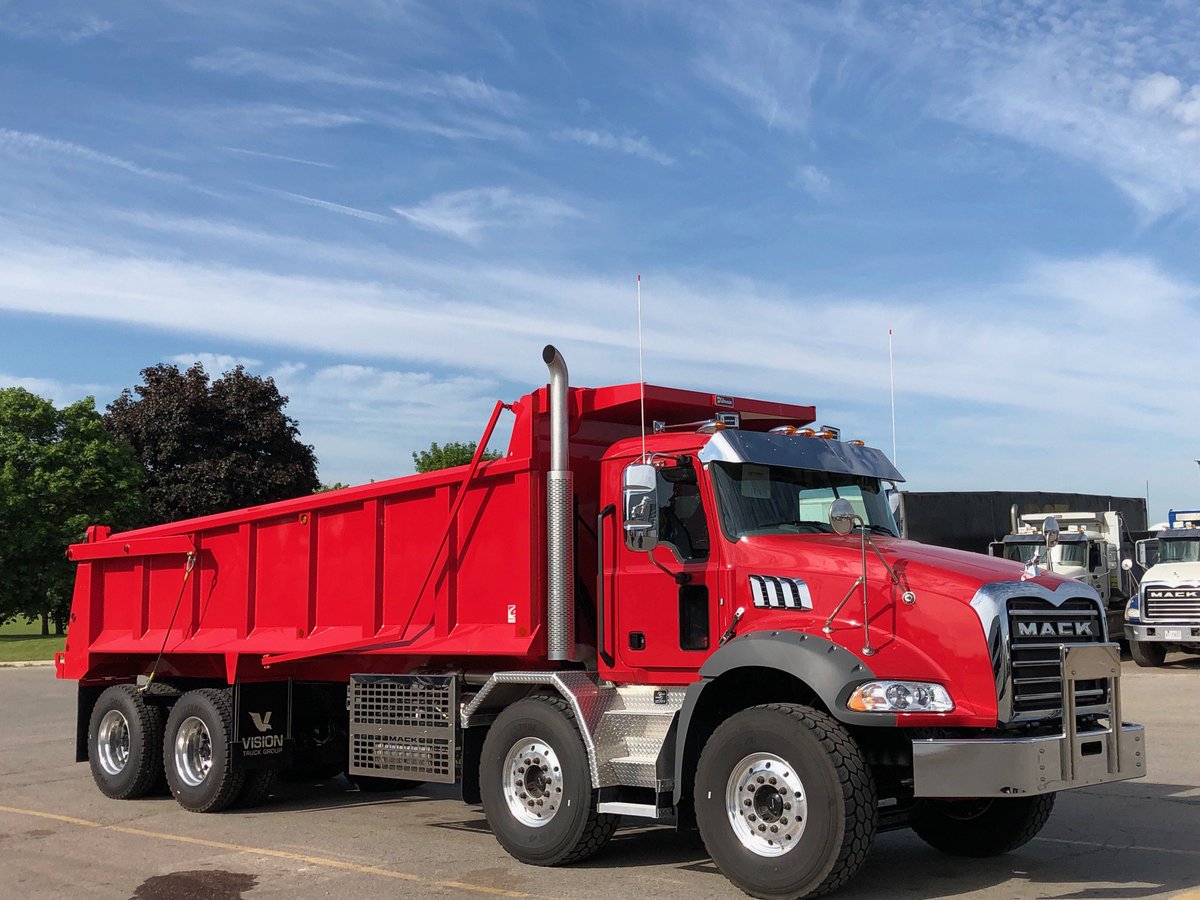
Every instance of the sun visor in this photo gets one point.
(737, 446)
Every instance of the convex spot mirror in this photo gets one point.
(1127, 564)
(1050, 530)
(841, 516)
(639, 488)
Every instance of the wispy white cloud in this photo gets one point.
(32, 146)
(65, 26)
(327, 205)
(335, 70)
(465, 215)
(276, 156)
(489, 322)
(814, 182)
(630, 145)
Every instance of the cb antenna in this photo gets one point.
(892, 382)
(641, 370)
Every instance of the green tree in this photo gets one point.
(60, 471)
(212, 446)
(444, 456)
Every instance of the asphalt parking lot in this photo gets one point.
(60, 838)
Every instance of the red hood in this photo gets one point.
(951, 573)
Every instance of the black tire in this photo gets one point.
(257, 787)
(574, 829)
(824, 776)
(1148, 654)
(219, 786)
(130, 764)
(983, 827)
(373, 784)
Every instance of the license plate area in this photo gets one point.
(1173, 634)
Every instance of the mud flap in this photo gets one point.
(262, 724)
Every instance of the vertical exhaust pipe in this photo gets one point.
(1013, 515)
(560, 514)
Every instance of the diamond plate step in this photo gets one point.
(631, 732)
(635, 771)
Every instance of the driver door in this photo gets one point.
(665, 599)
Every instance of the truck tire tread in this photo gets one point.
(149, 721)
(597, 827)
(600, 826)
(854, 781)
(858, 789)
(1009, 823)
(232, 778)
(1147, 654)
(257, 788)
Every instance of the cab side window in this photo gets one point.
(681, 522)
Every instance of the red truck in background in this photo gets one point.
(714, 624)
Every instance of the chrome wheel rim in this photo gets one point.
(112, 742)
(767, 804)
(193, 751)
(533, 783)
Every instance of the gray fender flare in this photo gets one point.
(832, 671)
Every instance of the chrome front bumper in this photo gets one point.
(1007, 767)
(1167, 634)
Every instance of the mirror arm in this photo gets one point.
(681, 578)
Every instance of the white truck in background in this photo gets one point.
(1090, 548)
(1164, 614)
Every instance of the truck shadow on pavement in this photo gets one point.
(1116, 842)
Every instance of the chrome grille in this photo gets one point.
(1163, 603)
(1037, 629)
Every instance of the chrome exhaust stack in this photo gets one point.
(560, 514)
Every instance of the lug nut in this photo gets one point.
(760, 779)
(774, 829)
(772, 779)
(762, 827)
(749, 802)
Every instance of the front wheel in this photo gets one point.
(785, 801)
(1148, 654)
(981, 827)
(537, 787)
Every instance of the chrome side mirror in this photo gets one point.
(841, 516)
(639, 486)
(1050, 530)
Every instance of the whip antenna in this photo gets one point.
(892, 381)
(641, 371)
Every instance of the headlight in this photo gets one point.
(900, 697)
(1133, 609)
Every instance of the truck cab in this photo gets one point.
(1164, 614)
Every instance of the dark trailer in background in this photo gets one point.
(970, 520)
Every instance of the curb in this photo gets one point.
(26, 664)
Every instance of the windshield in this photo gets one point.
(1178, 551)
(1022, 553)
(1072, 554)
(757, 499)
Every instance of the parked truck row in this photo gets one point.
(714, 625)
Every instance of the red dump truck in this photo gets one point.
(713, 624)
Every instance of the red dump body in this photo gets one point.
(375, 578)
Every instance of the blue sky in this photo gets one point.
(390, 206)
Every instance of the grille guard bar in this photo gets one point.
(1007, 767)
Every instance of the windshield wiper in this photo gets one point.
(809, 523)
(880, 529)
